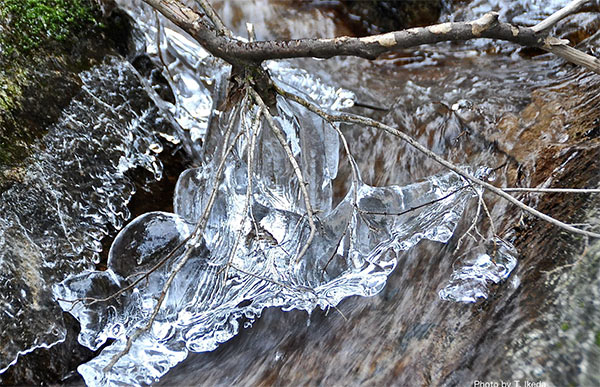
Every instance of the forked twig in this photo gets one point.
(250, 175)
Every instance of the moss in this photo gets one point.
(27, 24)
(11, 89)
(597, 339)
(564, 327)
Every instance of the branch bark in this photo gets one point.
(488, 26)
(370, 47)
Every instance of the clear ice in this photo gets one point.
(73, 188)
(244, 260)
(354, 251)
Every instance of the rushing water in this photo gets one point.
(369, 211)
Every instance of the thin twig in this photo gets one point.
(471, 227)
(301, 180)
(341, 117)
(553, 190)
(214, 18)
(557, 16)
(251, 148)
(453, 192)
(197, 233)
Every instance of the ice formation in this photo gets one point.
(244, 260)
(71, 190)
(471, 280)
(353, 253)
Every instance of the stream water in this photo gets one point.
(465, 102)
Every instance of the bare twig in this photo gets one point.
(471, 227)
(250, 175)
(429, 203)
(342, 117)
(296, 167)
(215, 18)
(553, 190)
(301, 180)
(489, 215)
(557, 16)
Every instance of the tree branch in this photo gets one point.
(368, 47)
(488, 26)
(215, 18)
(350, 118)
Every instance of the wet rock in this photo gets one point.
(71, 114)
(38, 69)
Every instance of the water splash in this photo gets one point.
(73, 189)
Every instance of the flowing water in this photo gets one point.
(466, 102)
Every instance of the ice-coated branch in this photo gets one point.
(253, 136)
(488, 26)
(197, 233)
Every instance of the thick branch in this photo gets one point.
(235, 51)
(221, 44)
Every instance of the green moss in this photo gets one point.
(564, 327)
(11, 89)
(597, 339)
(27, 24)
